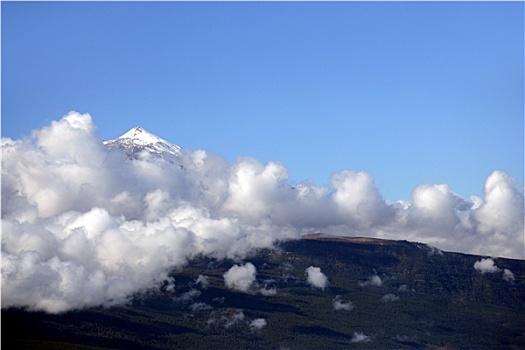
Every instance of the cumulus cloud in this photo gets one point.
(358, 199)
(434, 207)
(316, 278)
(340, 305)
(240, 277)
(499, 218)
(85, 226)
(486, 266)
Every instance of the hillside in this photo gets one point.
(380, 295)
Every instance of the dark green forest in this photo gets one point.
(426, 299)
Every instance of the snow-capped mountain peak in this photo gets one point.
(140, 135)
(138, 139)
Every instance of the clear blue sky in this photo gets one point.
(410, 92)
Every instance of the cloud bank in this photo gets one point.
(85, 226)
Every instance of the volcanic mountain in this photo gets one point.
(318, 292)
(138, 140)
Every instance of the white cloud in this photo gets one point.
(374, 280)
(316, 278)
(360, 338)
(499, 220)
(240, 277)
(434, 207)
(338, 304)
(486, 266)
(258, 323)
(83, 226)
(254, 189)
(358, 199)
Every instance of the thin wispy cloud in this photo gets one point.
(203, 281)
(198, 307)
(258, 323)
(187, 296)
(373, 280)
(360, 338)
(508, 275)
(227, 320)
(389, 298)
(339, 304)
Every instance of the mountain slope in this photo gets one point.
(418, 299)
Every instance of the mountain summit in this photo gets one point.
(138, 140)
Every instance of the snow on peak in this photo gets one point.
(138, 139)
(140, 136)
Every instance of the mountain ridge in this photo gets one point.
(349, 239)
(379, 296)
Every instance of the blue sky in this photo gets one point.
(410, 92)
